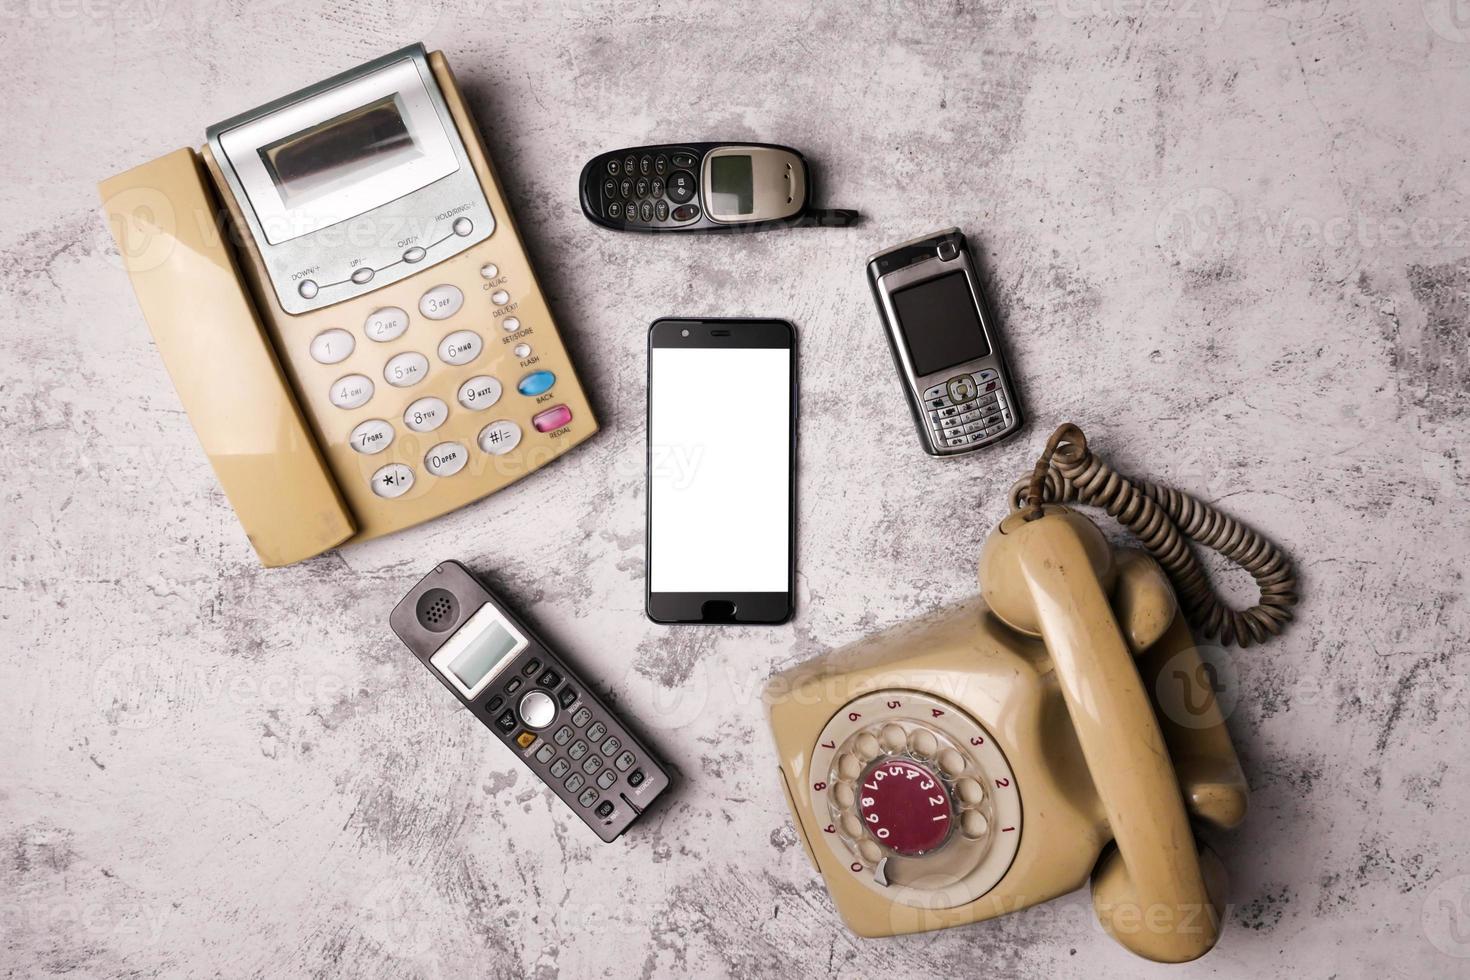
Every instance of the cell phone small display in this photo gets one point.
(940, 325)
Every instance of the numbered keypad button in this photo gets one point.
(582, 717)
(624, 762)
(441, 302)
(611, 746)
(372, 436)
(588, 798)
(406, 369)
(385, 324)
(426, 414)
(660, 164)
(332, 346)
(352, 391)
(446, 459)
(575, 782)
(499, 438)
(479, 393)
(661, 210)
(560, 768)
(546, 753)
(645, 211)
(597, 730)
(606, 779)
(460, 347)
(591, 764)
(393, 480)
(578, 749)
(563, 735)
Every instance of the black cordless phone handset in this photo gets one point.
(702, 187)
(528, 696)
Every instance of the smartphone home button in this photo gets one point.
(717, 611)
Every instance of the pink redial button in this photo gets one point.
(552, 418)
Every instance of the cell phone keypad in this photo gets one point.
(967, 409)
(655, 188)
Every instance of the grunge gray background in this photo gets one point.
(1228, 237)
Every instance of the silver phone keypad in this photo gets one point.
(967, 409)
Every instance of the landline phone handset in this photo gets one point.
(1063, 725)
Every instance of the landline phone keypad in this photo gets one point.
(406, 369)
(966, 409)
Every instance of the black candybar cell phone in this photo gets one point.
(529, 697)
(721, 471)
(945, 344)
(702, 187)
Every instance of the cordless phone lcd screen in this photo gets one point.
(719, 469)
(476, 649)
(732, 185)
(940, 323)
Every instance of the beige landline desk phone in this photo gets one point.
(1061, 725)
(340, 295)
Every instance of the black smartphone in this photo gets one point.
(722, 408)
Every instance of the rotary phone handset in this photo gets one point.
(1163, 518)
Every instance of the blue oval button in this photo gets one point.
(536, 382)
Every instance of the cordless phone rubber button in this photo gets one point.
(591, 764)
(552, 419)
(513, 686)
(446, 459)
(536, 383)
(611, 746)
(307, 288)
(660, 164)
(609, 189)
(494, 704)
(406, 370)
(578, 749)
(576, 782)
(641, 187)
(500, 297)
(332, 346)
(546, 753)
(686, 213)
(499, 437)
(614, 168)
(588, 798)
(605, 808)
(385, 324)
(626, 187)
(635, 778)
(630, 163)
(563, 735)
(597, 730)
(614, 209)
(463, 226)
(581, 718)
(479, 393)
(645, 211)
(525, 740)
(623, 762)
(353, 391)
(415, 254)
(607, 778)
(681, 186)
(566, 697)
(661, 210)
(362, 274)
(531, 667)
(549, 679)
(441, 302)
(560, 768)
(460, 347)
(537, 710)
(371, 437)
(425, 414)
(683, 160)
(506, 722)
(656, 189)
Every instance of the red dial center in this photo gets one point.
(904, 806)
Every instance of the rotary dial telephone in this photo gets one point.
(1061, 726)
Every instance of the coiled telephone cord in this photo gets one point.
(1163, 518)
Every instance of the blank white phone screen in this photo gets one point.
(719, 479)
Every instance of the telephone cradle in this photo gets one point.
(1061, 725)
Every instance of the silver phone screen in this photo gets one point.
(939, 323)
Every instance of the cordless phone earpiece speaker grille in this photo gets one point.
(437, 610)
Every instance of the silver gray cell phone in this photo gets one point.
(529, 697)
(945, 344)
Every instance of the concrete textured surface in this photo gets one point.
(1231, 238)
